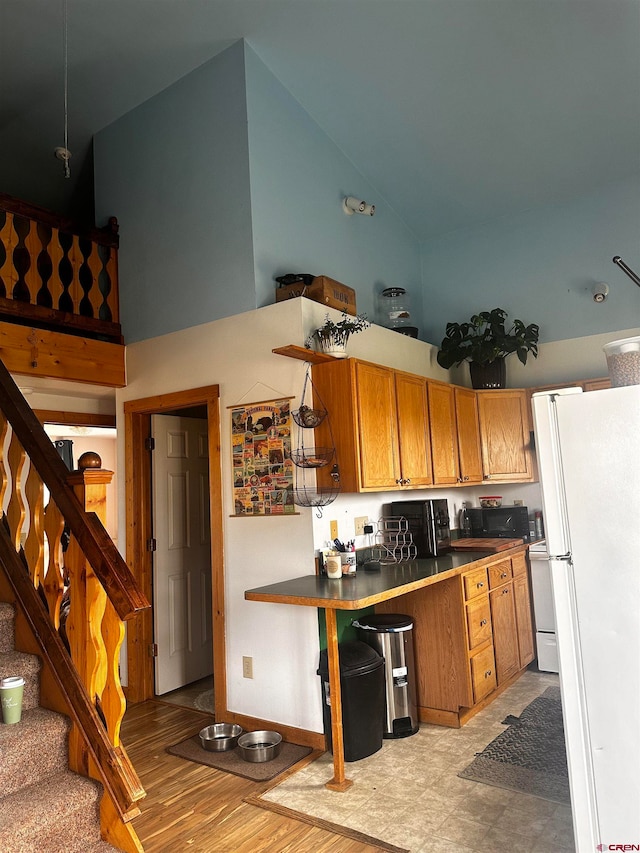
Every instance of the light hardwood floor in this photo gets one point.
(190, 807)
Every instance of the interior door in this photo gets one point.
(182, 558)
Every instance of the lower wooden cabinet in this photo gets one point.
(505, 632)
(473, 634)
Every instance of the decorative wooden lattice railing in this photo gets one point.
(53, 277)
(81, 673)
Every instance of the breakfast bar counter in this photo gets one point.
(361, 590)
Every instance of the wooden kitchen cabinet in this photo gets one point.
(473, 636)
(505, 435)
(505, 631)
(413, 430)
(522, 598)
(468, 432)
(378, 420)
(444, 433)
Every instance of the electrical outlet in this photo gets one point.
(333, 529)
(247, 667)
(359, 524)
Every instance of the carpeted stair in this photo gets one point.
(44, 808)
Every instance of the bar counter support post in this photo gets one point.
(339, 782)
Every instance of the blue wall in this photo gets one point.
(298, 180)
(175, 171)
(540, 266)
(211, 212)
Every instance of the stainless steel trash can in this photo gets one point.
(391, 635)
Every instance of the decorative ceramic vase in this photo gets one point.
(493, 374)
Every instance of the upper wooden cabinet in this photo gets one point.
(444, 435)
(505, 435)
(468, 426)
(413, 434)
(378, 420)
(395, 430)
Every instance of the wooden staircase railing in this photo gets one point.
(81, 677)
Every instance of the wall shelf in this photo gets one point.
(303, 354)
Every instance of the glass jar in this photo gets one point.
(395, 311)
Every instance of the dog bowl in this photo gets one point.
(220, 736)
(259, 746)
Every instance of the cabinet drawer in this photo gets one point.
(478, 622)
(499, 573)
(519, 564)
(475, 583)
(483, 674)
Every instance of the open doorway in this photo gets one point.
(142, 529)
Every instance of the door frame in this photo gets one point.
(138, 527)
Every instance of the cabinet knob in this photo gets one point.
(399, 481)
(483, 622)
(487, 673)
(505, 591)
(480, 585)
(504, 575)
(465, 478)
(407, 481)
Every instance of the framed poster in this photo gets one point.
(263, 472)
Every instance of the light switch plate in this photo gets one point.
(333, 529)
(359, 524)
(247, 667)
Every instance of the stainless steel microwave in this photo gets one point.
(500, 522)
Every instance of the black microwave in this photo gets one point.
(500, 522)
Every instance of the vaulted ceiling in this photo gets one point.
(457, 111)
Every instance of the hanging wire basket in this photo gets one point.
(309, 418)
(315, 496)
(311, 457)
(306, 416)
(311, 494)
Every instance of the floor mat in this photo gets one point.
(529, 756)
(233, 762)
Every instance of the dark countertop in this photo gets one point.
(367, 588)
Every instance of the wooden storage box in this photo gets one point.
(324, 290)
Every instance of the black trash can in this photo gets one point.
(391, 635)
(362, 688)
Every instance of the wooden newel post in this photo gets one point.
(94, 639)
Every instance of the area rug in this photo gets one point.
(529, 756)
(233, 762)
(204, 702)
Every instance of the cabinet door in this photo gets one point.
(523, 617)
(468, 424)
(505, 632)
(413, 430)
(505, 435)
(377, 427)
(444, 441)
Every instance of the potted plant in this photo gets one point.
(485, 342)
(331, 338)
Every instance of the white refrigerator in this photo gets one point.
(588, 448)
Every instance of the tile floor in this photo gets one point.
(409, 794)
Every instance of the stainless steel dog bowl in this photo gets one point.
(220, 737)
(259, 746)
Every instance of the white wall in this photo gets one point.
(235, 353)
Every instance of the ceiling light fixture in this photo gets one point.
(62, 152)
(352, 205)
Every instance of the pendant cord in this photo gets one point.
(67, 171)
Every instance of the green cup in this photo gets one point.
(11, 690)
